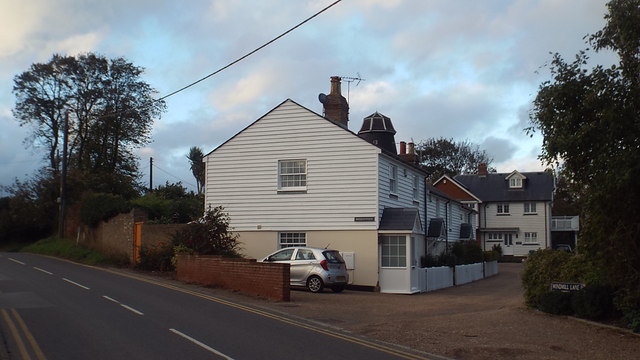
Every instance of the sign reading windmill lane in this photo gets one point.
(566, 287)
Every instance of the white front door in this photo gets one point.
(507, 246)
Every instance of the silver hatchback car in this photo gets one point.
(313, 268)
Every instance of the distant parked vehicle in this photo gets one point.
(563, 247)
(313, 268)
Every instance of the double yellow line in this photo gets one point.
(19, 330)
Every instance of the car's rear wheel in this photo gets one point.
(337, 288)
(315, 284)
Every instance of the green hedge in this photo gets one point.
(102, 207)
(543, 267)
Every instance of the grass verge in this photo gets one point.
(67, 249)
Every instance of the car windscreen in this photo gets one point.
(333, 256)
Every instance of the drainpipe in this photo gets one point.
(446, 223)
(426, 218)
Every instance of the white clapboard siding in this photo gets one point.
(242, 174)
(404, 197)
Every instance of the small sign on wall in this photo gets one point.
(566, 287)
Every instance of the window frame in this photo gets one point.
(502, 209)
(531, 238)
(515, 182)
(416, 187)
(393, 179)
(291, 238)
(282, 175)
(530, 207)
(393, 255)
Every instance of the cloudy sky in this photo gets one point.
(464, 69)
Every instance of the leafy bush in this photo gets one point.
(467, 252)
(443, 259)
(497, 248)
(211, 235)
(171, 204)
(179, 250)
(556, 302)
(593, 302)
(546, 266)
(491, 255)
(156, 258)
(102, 207)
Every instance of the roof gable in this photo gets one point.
(290, 103)
(454, 189)
(400, 219)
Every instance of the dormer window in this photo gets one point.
(516, 180)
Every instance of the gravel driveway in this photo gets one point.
(482, 320)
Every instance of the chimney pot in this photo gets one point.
(482, 169)
(403, 147)
(411, 148)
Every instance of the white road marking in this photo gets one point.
(111, 299)
(123, 305)
(131, 309)
(202, 345)
(43, 270)
(75, 283)
(16, 261)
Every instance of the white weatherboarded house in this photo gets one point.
(294, 177)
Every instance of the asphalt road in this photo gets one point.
(54, 309)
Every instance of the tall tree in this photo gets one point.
(111, 111)
(590, 121)
(197, 166)
(441, 156)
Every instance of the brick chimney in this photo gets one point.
(410, 155)
(335, 105)
(482, 169)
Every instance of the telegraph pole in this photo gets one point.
(150, 174)
(63, 175)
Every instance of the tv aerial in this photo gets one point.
(349, 80)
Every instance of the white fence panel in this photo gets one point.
(438, 278)
(468, 273)
(490, 268)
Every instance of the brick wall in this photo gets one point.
(158, 234)
(244, 275)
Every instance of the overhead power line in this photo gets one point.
(250, 53)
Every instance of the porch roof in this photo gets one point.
(398, 219)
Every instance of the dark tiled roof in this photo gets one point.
(398, 219)
(538, 186)
(436, 226)
(465, 231)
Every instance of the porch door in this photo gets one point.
(507, 247)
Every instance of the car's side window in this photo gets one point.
(304, 254)
(282, 255)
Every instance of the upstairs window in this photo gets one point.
(529, 208)
(515, 182)
(393, 179)
(292, 175)
(416, 187)
(503, 209)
